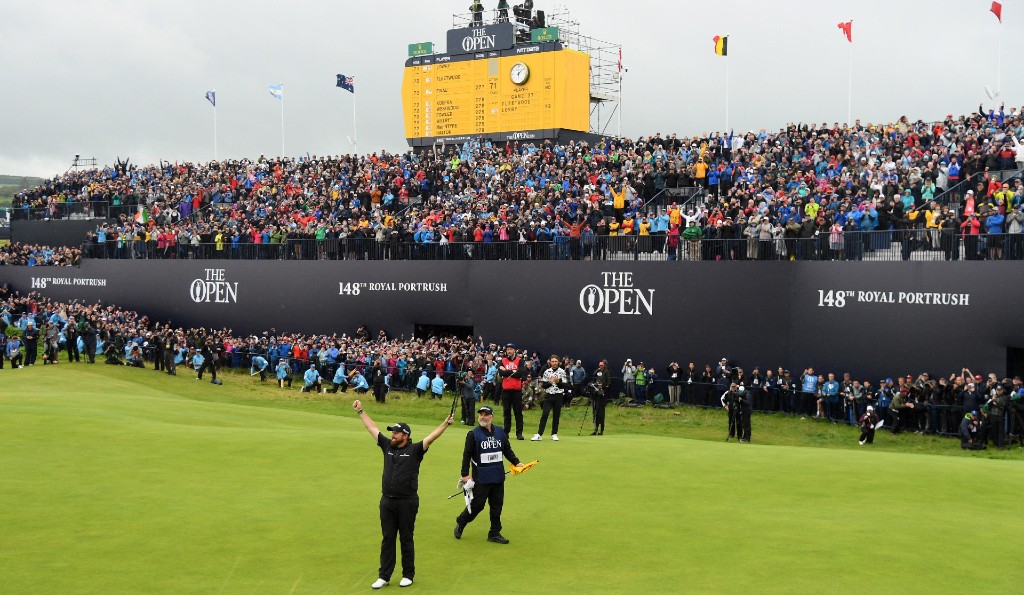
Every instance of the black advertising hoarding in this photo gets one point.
(862, 318)
(497, 37)
(67, 233)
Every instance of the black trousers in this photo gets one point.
(208, 365)
(732, 412)
(867, 434)
(551, 402)
(397, 519)
(485, 493)
(72, 348)
(743, 422)
(997, 430)
(512, 403)
(468, 408)
(31, 351)
(170, 366)
(90, 349)
(380, 390)
(599, 404)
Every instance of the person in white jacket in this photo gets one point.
(1018, 149)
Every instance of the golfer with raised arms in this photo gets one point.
(399, 500)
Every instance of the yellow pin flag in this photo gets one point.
(522, 468)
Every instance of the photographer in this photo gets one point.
(969, 428)
(135, 358)
(995, 409)
(745, 408)
(730, 399)
(675, 378)
(51, 343)
(603, 382)
(867, 426)
(470, 393)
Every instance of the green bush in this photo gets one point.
(13, 331)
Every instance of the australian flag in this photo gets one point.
(347, 82)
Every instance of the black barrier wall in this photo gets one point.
(69, 234)
(863, 318)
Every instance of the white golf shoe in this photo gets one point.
(405, 582)
(554, 437)
(536, 438)
(379, 583)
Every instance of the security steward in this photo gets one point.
(486, 446)
(399, 499)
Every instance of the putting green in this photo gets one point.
(123, 481)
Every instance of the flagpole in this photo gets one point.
(282, 123)
(215, 127)
(727, 93)
(355, 132)
(849, 94)
(618, 133)
(999, 58)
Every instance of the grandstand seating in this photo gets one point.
(796, 183)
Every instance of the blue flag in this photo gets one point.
(347, 82)
(211, 96)
(277, 91)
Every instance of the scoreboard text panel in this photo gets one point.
(478, 97)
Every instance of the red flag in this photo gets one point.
(847, 29)
(620, 59)
(997, 9)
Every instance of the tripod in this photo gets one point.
(1016, 421)
(586, 416)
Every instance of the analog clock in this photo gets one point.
(520, 73)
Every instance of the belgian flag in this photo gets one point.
(721, 45)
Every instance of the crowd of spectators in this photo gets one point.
(768, 189)
(367, 361)
(18, 254)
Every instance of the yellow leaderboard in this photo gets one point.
(521, 90)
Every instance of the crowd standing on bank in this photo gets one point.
(479, 371)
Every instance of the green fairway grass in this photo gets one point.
(115, 480)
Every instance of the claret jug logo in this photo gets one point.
(213, 288)
(617, 295)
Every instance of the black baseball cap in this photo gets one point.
(485, 409)
(401, 427)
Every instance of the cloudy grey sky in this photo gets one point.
(108, 78)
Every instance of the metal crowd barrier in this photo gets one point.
(874, 246)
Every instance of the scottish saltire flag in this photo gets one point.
(347, 82)
(277, 91)
(211, 96)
